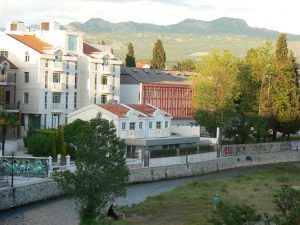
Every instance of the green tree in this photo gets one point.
(101, 171)
(185, 65)
(130, 59)
(282, 49)
(158, 56)
(234, 214)
(8, 121)
(215, 89)
(60, 142)
(38, 145)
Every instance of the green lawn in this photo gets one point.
(193, 203)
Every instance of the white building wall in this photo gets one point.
(186, 130)
(130, 93)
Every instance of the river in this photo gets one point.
(62, 211)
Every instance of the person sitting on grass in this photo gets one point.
(111, 213)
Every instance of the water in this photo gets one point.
(63, 211)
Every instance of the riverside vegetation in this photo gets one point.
(192, 204)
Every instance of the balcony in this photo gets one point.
(57, 66)
(10, 107)
(162, 133)
(105, 88)
(107, 70)
(7, 79)
(57, 87)
(135, 133)
(58, 107)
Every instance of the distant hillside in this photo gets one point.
(219, 26)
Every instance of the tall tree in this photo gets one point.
(282, 48)
(130, 59)
(8, 121)
(158, 56)
(101, 171)
(215, 88)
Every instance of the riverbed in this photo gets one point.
(63, 211)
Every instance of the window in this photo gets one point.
(13, 26)
(56, 78)
(67, 80)
(46, 64)
(68, 65)
(131, 126)
(46, 99)
(26, 98)
(75, 65)
(67, 99)
(7, 97)
(104, 80)
(45, 26)
(114, 67)
(140, 125)
(45, 121)
(75, 85)
(95, 81)
(113, 83)
(56, 97)
(72, 43)
(4, 53)
(158, 125)
(166, 124)
(103, 99)
(26, 56)
(95, 98)
(123, 126)
(75, 100)
(26, 77)
(46, 79)
(105, 61)
(150, 125)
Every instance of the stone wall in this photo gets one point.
(22, 195)
(193, 169)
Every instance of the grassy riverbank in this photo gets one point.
(192, 204)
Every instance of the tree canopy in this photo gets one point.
(101, 171)
(158, 56)
(130, 59)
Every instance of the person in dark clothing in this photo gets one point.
(111, 213)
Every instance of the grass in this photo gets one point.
(192, 204)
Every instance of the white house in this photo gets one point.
(143, 127)
(57, 73)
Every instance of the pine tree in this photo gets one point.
(282, 49)
(130, 59)
(158, 56)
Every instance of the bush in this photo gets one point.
(38, 145)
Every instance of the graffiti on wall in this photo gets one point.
(25, 167)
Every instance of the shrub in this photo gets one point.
(38, 145)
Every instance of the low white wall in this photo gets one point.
(167, 161)
(186, 130)
(11, 146)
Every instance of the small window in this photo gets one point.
(123, 126)
(26, 98)
(95, 98)
(140, 125)
(46, 64)
(26, 56)
(75, 100)
(56, 98)
(67, 80)
(67, 100)
(103, 99)
(46, 79)
(26, 77)
(158, 125)
(166, 124)
(132, 126)
(56, 78)
(104, 80)
(46, 99)
(105, 61)
(76, 81)
(150, 125)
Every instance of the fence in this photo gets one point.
(24, 166)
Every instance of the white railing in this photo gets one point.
(57, 86)
(58, 66)
(58, 106)
(135, 133)
(105, 88)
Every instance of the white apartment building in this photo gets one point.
(143, 127)
(57, 73)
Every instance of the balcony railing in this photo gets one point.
(135, 133)
(58, 106)
(57, 87)
(9, 106)
(58, 66)
(105, 88)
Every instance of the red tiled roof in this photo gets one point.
(141, 64)
(32, 42)
(143, 108)
(11, 65)
(88, 49)
(116, 109)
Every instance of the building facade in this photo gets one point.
(171, 93)
(57, 73)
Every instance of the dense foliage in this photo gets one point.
(185, 65)
(130, 59)
(253, 97)
(101, 171)
(158, 56)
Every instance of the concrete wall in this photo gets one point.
(166, 161)
(193, 169)
(186, 130)
(22, 195)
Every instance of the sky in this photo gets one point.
(279, 15)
